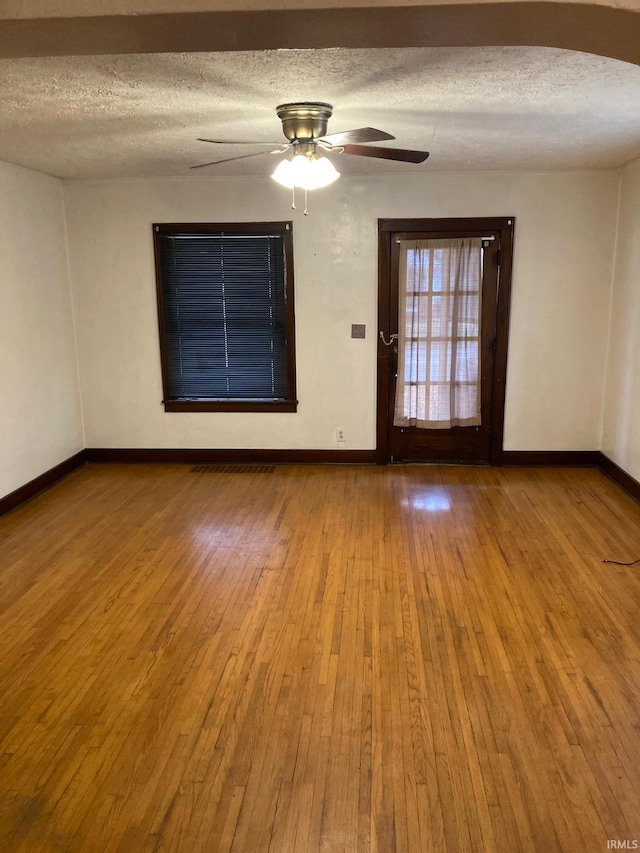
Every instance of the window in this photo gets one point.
(438, 381)
(225, 307)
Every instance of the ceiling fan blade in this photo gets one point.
(360, 134)
(242, 157)
(235, 142)
(403, 154)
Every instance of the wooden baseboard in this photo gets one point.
(566, 458)
(40, 484)
(577, 458)
(196, 456)
(619, 476)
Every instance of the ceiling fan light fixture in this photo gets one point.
(283, 174)
(306, 172)
(321, 173)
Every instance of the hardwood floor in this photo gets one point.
(320, 659)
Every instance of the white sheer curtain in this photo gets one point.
(438, 383)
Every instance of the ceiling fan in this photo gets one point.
(305, 127)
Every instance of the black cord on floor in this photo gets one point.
(616, 563)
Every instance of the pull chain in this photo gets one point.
(293, 201)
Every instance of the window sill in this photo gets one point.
(204, 405)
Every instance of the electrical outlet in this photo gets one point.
(340, 435)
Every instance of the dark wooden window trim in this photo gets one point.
(503, 225)
(290, 404)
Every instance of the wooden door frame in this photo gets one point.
(386, 227)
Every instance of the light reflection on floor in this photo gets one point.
(429, 500)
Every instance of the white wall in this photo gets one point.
(40, 418)
(565, 227)
(621, 426)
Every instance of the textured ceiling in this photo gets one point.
(507, 108)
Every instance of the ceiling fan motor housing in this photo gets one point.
(307, 120)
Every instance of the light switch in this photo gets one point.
(358, 330)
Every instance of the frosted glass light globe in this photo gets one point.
(306, 173)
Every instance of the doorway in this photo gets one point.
(419, 342)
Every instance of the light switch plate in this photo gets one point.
(358, 330)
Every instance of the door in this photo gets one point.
(443, 319)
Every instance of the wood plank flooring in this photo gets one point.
(323, 659)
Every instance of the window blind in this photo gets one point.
(224, 316)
